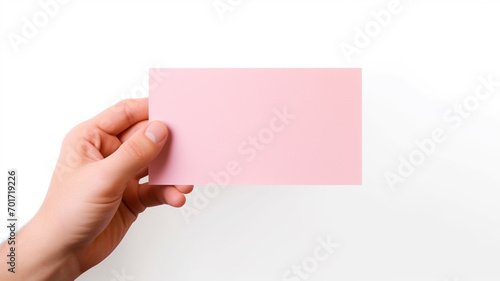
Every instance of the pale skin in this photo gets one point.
(94, 195)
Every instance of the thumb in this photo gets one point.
(136, 152)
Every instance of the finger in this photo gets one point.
(121, 116)
(109, 144)
(86, 136)
(154, 195)
(135, 153)
(125, 135)
(142, 173)
(184, 188)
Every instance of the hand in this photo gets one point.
(94, 195)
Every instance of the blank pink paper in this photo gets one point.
(250, 126)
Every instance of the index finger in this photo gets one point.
(122, 115)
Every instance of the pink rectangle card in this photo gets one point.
(257, 126)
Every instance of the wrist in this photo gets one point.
(37, 258)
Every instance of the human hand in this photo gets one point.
(94, 195)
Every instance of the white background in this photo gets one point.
(442, 223)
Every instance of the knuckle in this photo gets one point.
(135, 152)
(92, 135)
(73, 134)
(125, 107)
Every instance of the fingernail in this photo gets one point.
(156, 132)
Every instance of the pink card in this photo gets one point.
(269, 126)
